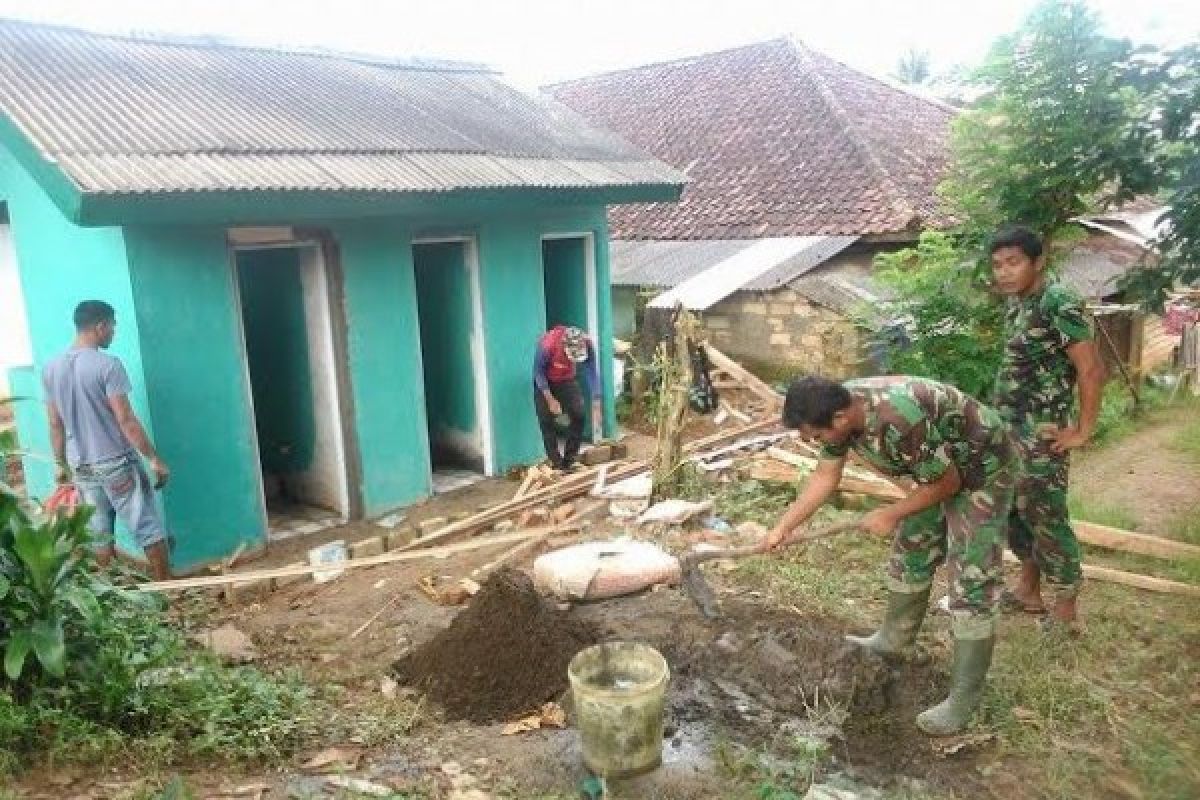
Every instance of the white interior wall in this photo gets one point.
(15, 347)
(324, 483)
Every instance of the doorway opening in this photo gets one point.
(569, 268)
(290, 356)
(452, 356)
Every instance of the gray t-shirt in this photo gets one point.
(79, 383)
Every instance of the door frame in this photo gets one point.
(483, 385)
(591, 298)
(332, 343)
(589, 278)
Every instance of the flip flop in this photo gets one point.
(1011, 604)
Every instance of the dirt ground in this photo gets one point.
(1142, 474)
(745, 688)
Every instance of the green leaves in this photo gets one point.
(20, 642)
(951, 321)
(1063, 129)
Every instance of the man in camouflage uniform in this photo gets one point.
(960, 455)
(1049, 348)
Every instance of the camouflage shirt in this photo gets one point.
(919, 427)
(1036, 382)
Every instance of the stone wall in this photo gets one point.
(781, 330)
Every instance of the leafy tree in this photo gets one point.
(1063, 129)
(951, 321)
(1173, 84)
(913, 67)
(1068, 124)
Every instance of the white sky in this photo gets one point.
(540, 41)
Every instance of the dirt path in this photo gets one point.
(1143, 474)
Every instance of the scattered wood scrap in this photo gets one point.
(743, 376)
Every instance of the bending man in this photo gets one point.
(958, 452)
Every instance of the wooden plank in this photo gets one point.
(354, 563)
(878, 485)
(1130, 542)
(1132, 579)
(750, 381)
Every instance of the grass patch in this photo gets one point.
(1187, 438)
(1100, 512)
(1186, 526)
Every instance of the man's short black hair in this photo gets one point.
(91, 313)
(1017, 236)
(813, 400)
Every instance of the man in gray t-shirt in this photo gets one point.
(97, 438)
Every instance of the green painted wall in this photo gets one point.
(383, 339)
(61, 264)
(179, 337)
(624, 300)
(447, 320)
(565, 263)
(183, 288)
(272, 298)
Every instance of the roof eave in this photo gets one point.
(283, 206)
(61, 190)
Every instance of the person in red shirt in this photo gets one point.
(557, 395)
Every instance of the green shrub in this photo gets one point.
(92, 671)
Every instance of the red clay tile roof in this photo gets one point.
(777, 139)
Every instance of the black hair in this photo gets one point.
(1020, 237)
(91, 313)
(813, 400)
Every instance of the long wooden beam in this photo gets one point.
(1130, 542)
(1147, 582)
(208, 581)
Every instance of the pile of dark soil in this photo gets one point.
(505, 654)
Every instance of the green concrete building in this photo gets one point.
(329, 271)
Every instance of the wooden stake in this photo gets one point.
(675, 370)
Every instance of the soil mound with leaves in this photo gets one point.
(506, 653)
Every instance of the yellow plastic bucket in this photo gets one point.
(618, 690)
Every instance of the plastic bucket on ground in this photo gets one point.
(618, 690)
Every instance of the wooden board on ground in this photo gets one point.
(1130, 542)
(354, 563)
(1136, 580)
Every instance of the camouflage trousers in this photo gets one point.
(1039, 526)
(967, 533)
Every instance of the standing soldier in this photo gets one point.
(959, 453)
(557, 396)
(1049, 348)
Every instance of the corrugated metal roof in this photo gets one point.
(762, 264)
(123, 115)
(668, 263)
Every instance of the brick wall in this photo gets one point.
(782, 330)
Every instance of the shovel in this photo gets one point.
(702, 594)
